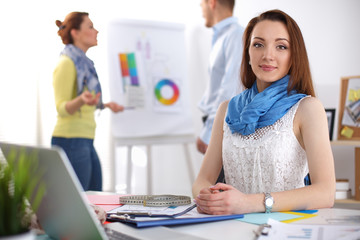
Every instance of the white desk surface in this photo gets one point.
(234, 229)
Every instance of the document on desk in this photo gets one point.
(187, 214)
(145, 211)
(278, 230)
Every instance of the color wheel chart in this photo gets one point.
(166, 84)
(129, 71)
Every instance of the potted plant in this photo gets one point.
(17, 189)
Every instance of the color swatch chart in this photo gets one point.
(129, 71)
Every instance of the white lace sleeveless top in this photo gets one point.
(268, 160)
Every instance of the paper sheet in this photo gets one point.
(172, 210)
(262, 218)
(285, 231)
(107, 202)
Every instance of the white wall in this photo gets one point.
(30, 46)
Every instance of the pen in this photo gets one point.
(138, 214)
(120, 217)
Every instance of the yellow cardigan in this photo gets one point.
(82, 123)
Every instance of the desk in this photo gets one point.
(356, 144)
(234, 229)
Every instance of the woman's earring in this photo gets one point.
(249, 63)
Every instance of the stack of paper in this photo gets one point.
(343, 190)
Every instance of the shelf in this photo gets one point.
(356, 144)
(347, 203)
(351, 200)
(345, 143)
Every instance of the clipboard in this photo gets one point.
(140, 211)
(190, 216)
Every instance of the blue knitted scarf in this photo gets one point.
(86, 73)
(251, 110)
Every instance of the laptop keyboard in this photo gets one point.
(115, 235)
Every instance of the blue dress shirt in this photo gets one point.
(224, 71)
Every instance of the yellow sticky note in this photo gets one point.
(347, 132)
(353, 95)
(301, 216)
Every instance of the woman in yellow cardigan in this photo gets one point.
(77, 96)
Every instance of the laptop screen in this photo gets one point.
(64, 212)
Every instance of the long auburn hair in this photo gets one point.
(300, 75)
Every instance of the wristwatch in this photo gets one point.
(269, 202)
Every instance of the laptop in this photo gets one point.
(65, 212)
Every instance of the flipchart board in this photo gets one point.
(147, 70)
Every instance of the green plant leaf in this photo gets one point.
(17, 186)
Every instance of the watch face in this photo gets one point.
(269, 202)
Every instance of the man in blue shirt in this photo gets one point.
(224, 66)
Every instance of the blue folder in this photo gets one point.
(141, 222)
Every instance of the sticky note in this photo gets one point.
(353, 95)
(347, 132)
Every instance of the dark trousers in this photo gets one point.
(221, 177)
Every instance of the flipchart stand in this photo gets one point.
(185, 140)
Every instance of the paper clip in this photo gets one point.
(262, 230)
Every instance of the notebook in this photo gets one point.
(65, 213)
